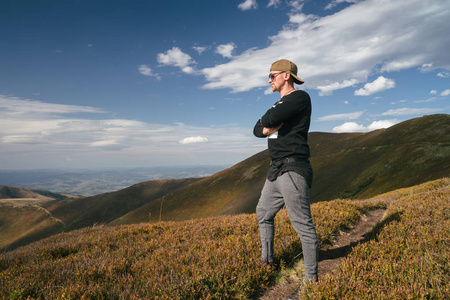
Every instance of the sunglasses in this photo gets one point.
(273, 75)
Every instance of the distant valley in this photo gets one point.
(89, 182)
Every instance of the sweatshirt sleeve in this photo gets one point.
(284, 110)
(258, 129)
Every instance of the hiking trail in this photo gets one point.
(330, 256)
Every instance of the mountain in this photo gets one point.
(346, 165)
(234, 190)
(22, 216)
(362, 165)
(104, 208)
(21, 224)
(8, 192)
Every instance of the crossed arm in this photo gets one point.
(261, 131)
(280, 113)
(268, 131)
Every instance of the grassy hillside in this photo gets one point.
(24, 224)
(216, 258)
(409, 153)
(234, 190)
(104, 208)
(22, 216)
(9, 192)
(348, 165)
(408, 259)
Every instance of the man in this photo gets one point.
(289, 178)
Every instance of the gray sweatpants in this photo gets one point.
(289, 189)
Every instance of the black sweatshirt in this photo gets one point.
(294, 111)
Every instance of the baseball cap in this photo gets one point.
(287, 66)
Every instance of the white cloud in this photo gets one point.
(17, 106)
(200, 50)
(433, 92)
(226, 50)
(111, 145)
(188, 70)
(193, 140)
(380, 84)
(337, 2)
(248, 4)
(446, 92)
(355, 127)
(297, 5)
(363, 39)
(176, 57)
(444, 74)
(273, 3)
(36, 134)
(326, 90)
(426, 67)
(147, 71)
(337, 117)
(382, 124)
(410, 111)
(432, 99)
(349, 127)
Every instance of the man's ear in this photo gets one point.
(288, 77)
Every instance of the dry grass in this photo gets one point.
(218, 258)
(409, 259)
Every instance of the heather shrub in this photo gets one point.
(218, 258)
(409, 259)
(206, 258)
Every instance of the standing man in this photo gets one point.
(289, 178)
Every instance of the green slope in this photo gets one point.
(349, 165)
(409, 153)
(22, 225)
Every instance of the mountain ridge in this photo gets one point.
(10, 192)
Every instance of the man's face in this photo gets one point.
(275, 80)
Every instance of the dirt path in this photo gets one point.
(49, 214)
(330, 256)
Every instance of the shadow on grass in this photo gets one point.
(343, 251)
(291, 254)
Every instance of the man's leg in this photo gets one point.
(269, 204)
(295, 192)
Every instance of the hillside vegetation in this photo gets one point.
(22, 216)
(217, 258)
(22, 224)
(347, 166)
(408, 259)
(8, 192)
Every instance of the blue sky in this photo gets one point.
(106, 84)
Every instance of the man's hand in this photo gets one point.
(269, 131)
